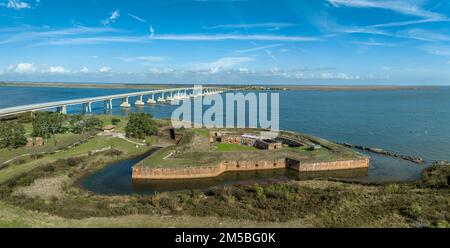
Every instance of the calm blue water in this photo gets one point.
(411, 122)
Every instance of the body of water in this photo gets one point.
(410, 122)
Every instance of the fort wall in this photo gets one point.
(144, 172)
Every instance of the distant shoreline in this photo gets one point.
(243, 87)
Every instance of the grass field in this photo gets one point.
(96, 143)
(63, 140)
(309, 203)
(234, 147)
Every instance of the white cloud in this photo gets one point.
(23, 68)
(84, 69)
(57, 69)
(152, 31)
(16, 4)
(158, 71)
(105, 69)
(244, 70)
(112, 18)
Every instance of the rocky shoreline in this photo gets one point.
(417, 160)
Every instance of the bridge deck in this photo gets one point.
(50, 105)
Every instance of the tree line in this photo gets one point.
(49, 124)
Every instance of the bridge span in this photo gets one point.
(153, 97)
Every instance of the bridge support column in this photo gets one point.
(151, 100)
(87, 107)
(125, 103)
(140, 101)
(62, 109)
(161, 99)
(108, 104)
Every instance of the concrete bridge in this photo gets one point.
(149, 97)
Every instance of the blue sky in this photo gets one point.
(226, 41)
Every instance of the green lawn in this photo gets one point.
(63, 140)
(157, 160)
(96, 143)
(233, 147)
(203, 132)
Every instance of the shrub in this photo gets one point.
(413, 211)
(113, 152)
(26, 117)
(115, 121)
(93, 122)
(72, 162)
(20, 161)
(259, 191)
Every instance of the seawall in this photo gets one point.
(145, 172)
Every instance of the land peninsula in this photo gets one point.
(40, 179)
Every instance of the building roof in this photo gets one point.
(109, 127)
(249, 136)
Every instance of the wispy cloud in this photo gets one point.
(112, 18)
(16, 4)
(145, 59)
(95, 40)
(424, 35)
(372, 43)
(36, 35)
(137, 18)
(436, 50)
(269, 25)
(408, 23)
(220, 64)
(259, 48)
(172, 37)
(411, 8)
(221, 37)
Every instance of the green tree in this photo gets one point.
(12, 135)
(78, 123)
(46, 124)
(141, 125)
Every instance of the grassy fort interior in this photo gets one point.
(204, 153)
